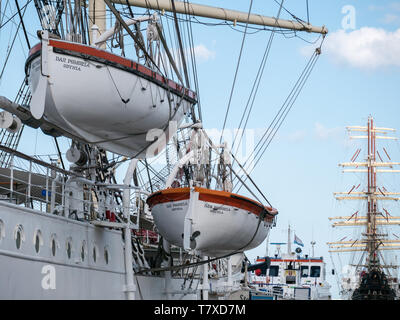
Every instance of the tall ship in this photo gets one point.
(137, 201)
(371, 272)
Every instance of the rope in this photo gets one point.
(256, 84)
(236, 72)
(279, 118)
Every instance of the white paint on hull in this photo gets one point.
(22, 269)
(223, 229)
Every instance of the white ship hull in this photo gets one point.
(27, 274)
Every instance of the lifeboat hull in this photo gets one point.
(102, 98)
(224, 222)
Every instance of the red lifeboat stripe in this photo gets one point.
(94, 52)
(213, 196)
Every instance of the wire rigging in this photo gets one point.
(279, 118)
(255, 87)
(236, 72)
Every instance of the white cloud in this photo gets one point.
(297, 136)
(325, 133)
(390, 18)
(365, 48)
(202, 53)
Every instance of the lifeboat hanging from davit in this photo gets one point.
(220, 222)
(204, 216)
(102, 98)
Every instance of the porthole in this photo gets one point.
(53, 247)
(37, 244)
(106, 255)
(69, 248)
(2, 230)
(83, 251)
(18, 240)
(19, 236)
(37, 240)
(53, 244)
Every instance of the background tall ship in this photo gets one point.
(372, 272)
(113, 225)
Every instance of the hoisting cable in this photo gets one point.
(236, 72)
(134, 37)
(12, 17)
(23, 25)
(256, 84)
(287, 109)
(248, 176)
(284, 110)
(178, 33)
(12, 45)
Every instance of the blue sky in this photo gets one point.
(300, 170)
(356, 76)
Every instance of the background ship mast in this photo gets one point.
(372, 240)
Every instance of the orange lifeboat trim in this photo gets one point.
(214, 196)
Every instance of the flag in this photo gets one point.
(298, 241)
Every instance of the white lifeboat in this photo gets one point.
(218, 222)
(102, 98)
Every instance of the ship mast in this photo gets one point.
(97, 18)
(223, 14)
(372, 240)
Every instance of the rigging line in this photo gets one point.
(291, 105)
(281, 119)
(244, 184)
(178, 33)
(298, 87)
(134, 37)
(12, 45)
(287, 101)
(23, 25)
(3, 12)
(287, 112)
(293, 16)
(279, 111)
(12, 17)
(308, 13)
(59, 152)
(236, 72)
(193, 60)
(256, 84)
(275, 128)
(251, 180)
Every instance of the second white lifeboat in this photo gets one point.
(212, 222)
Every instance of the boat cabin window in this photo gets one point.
(273, 271)
(315, 271)
(304, 271)
(290, 279)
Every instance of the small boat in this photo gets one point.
(221, 222)
(289, 276)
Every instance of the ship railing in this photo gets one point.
(45, 187)
(148, 237)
